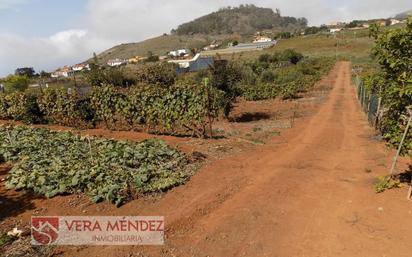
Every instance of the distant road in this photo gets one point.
(240, 48)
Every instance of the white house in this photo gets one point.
(395, 21)
(116, 62)
(262, 40)
(178, 53)
(81, 66)
(333, 31)
(63, 72)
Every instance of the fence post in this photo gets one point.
(377, 112)
(208, 106)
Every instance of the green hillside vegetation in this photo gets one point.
(158, 45)
(245, 19)
(227, 24)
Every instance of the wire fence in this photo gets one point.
(370, 103)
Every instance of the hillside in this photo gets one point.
(404, 15)
(238, 23)
(245, 19)
(158, 45)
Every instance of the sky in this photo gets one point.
(47, 34)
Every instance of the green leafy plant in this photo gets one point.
(52, 163)
(392, 81)
(5, 239)
(385, 183)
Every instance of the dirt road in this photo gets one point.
(306, 193)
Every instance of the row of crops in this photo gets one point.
(266, 80)
(53, 163)
(167, 103)
(154, 108)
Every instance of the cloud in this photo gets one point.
(65, 47)
(107, 23)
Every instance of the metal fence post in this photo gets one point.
(377, 112)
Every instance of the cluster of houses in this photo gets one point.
(336, 26)
(183, 58)
(69, 71)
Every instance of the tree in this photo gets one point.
(95, 59)
(15, 83)
(25, 71)
(151, 57)
(225, 77)
(394, 79)
(374, 30)
(44, 74)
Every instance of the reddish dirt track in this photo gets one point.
(304, 194)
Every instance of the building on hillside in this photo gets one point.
(65, 72)
(262, 39)
(136, 59)
(382, 23)
(196, 64)
(212, 46)
(81, 67)
(336, 24)
(395, 21)
(333, 31)
(116, 62)
(179, 53)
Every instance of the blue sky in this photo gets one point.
(40, 17)
(47, 34)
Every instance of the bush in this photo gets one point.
(225, 77)
(267, 76)
(163, 74)
(63, 108)
(16, 83)
(108, 104)
(22, 107)
(287, 81)
(3, 107)
(261, 91)
(116, 76)
(292, 56)
(165, 110)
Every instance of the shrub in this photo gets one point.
(3, 107)
(225, 77)
(16, 83)
(267, 76)
(157, 74)
(108, 104)
(23, 107)
(116, 76)
(292, 56)
(64, 108)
